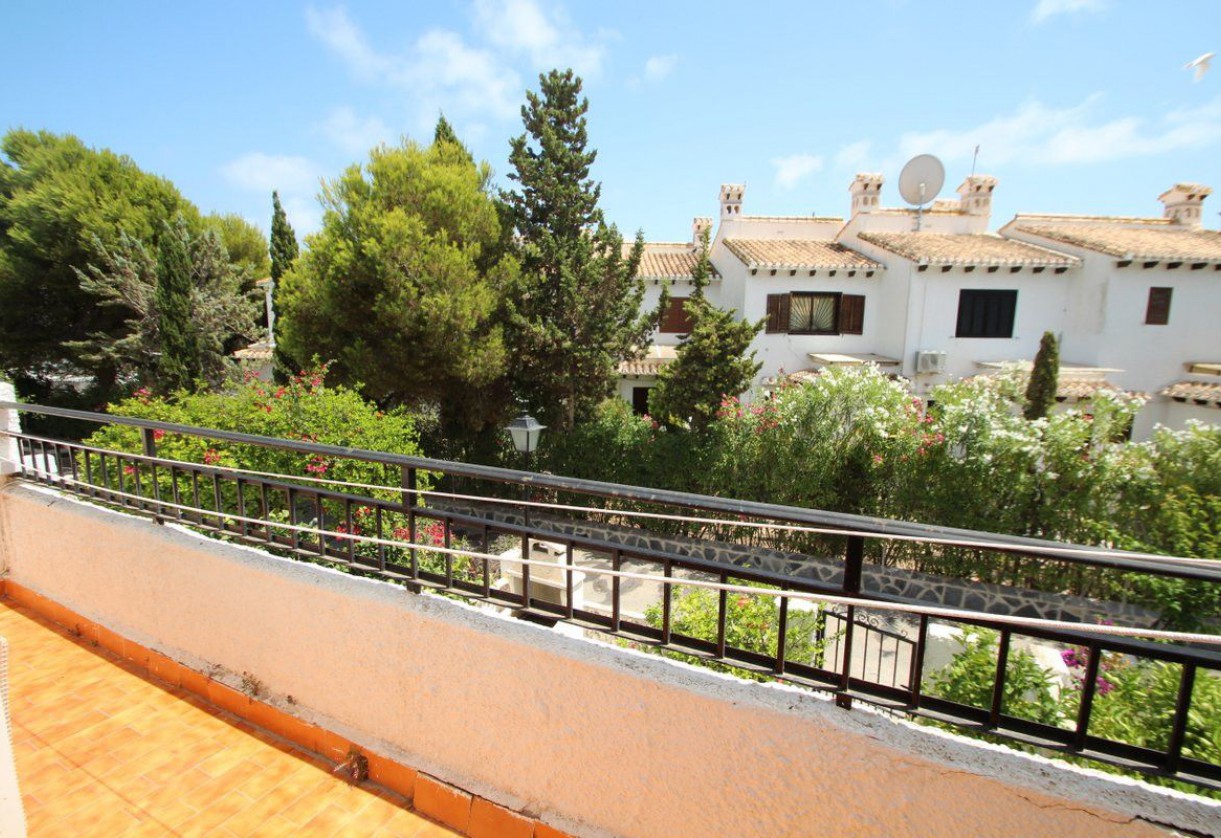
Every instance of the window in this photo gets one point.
(985, 313)
(640, 400)
(1157, 313)
(675, 320)
(804, 313)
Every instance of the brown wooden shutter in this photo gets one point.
(852, 314)
(675, 320)
(1158, 311)
(777, 313)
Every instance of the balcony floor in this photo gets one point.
(103, 751)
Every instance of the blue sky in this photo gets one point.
(1077, 105)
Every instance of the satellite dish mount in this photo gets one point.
(921, 181)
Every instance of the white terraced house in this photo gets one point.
(936, 295)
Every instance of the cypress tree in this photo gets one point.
(178, 365)
(1044, 378)
(574, 312)
(283, 246)
(445, 133)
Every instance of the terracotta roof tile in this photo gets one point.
(1083, 388)
(654, 359)
(257, 351)
(1147, 243)
(798, 254)
(1196, 391)
(664, 260)
(968, 249)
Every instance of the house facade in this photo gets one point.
(934, 295)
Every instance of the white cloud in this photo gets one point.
(794, 168)
(853, 155)
(341, 36)
(445, 73)
(547, 40)
(659, 66)
(1036, 134)
(259, 172)
(297, 180)
(353, 134)
(1050, 8)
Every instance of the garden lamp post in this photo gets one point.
(526, 432)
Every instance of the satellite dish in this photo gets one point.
(921, 179)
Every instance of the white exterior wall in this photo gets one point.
(789, 353)
(934, 316)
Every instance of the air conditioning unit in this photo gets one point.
(930, 361)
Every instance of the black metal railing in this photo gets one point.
(645, 587)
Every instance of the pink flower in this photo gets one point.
(211, 457)
(158, 436)
(129, 469)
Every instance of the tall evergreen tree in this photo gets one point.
(283, 246)
(574, 313)
(179, 365)
(1044, 378)
(711, 363)
(445, 133)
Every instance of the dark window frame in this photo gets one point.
(986, 313)
(1157, 310)
(837, 296)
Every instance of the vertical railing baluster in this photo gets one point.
(483, 548)
(381, 534)
(218, 505)
(1087, 697)
(568, 585)
(667, 598)
(722, 616)
(264, 511)
(917, 664)
(294, 533)
(525, 571)
(616, 610)
(782, 632)
(854, 559)
(347, 520)
(320, 523)
(449, 557)
(408, 482)
(242, 526)
(150, 450)
(998, 685)
(1178, 728)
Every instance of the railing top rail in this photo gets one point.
(874, 527)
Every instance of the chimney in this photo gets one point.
(731, 199)
(976, 195)
(1184, 203)
(698, 226)
(866, 190)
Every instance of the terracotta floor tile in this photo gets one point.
(102, 750)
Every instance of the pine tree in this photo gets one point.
(1044, 378)
(574, 313)
(283, 245)
(179, 365)
(711, 363)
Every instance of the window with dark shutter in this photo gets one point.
(777, 313)
(1157, 313)
(814, 314)
(675, 320)
(852, 314)
(986, 313)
